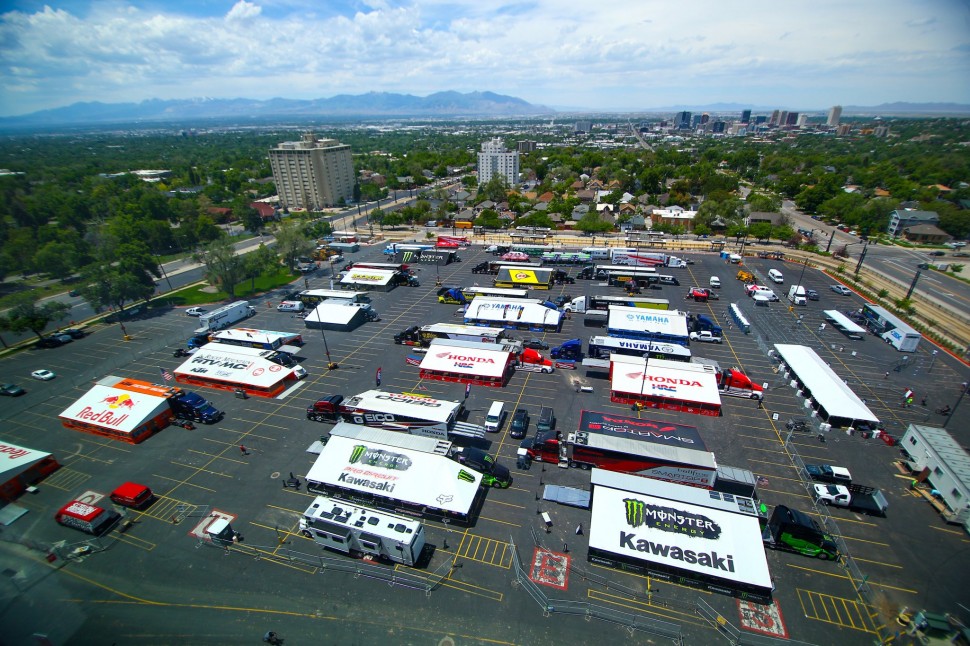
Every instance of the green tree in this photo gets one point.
(247, 215)
(26, 314)
(488, 218)
(763, 202)
(760, 230)
(223, 267)
(392, 219)
(592, 223)
(292, 242)
(702, 230)
(494, 189)
(257, 263)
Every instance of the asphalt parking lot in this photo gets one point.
(207, 595)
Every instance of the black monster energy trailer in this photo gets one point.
(680, 534)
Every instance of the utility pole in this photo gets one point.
(912, 286)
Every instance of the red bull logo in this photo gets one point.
(124, 402)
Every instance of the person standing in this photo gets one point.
(243, 449)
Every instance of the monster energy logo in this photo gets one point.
(464, 475)
(407, 256)
(640, 514)
(379, 458)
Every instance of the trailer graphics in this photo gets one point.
(379, 458)
(711, 560)
(348, 478)
(667, 519)
(641, 429)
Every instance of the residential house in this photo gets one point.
(902, 219)
(674, 216)
(266, 211)
(774, 219)
(586, 195)
(926, 234)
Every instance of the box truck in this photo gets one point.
(87, 518)
(225, 316)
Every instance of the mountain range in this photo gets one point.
(385, 105)
(370, 105)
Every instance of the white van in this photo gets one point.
(290, 306)
(776, 276)
(714, 282)
(494, 417)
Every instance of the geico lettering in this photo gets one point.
(705, 559)
(417, 401)
(672, 380)
(378, 417)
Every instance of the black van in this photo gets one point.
(547, 419)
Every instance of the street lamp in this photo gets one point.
(862, 256)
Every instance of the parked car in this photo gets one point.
(63, 338)
(961, 254)
(520, 424)
(811, 294)
(536, 344)
(840, 289)
(196, 311)
(49, 342)
(11, 390)
(705, 336)
(74, 333)
(937, 253)
(43, 374)
(73, 293)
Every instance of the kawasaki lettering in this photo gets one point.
(364, 482)
(704, 559)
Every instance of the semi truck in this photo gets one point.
(184, 404)
(854, 497)
(356, 530)
(493, 474)
(796, 295)
(793, 531)
(451, 295)
(704, 323)
(571, 349)
(524, 359)
(402, 412)
(423, 335)
(225, 316)
(87, 518)
(731, 381)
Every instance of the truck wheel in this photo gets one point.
(822, 556)
(307, 533)
(755, 396)
(583, 466)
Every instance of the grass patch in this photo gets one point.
(191, 296)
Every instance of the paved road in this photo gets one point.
(897, 263)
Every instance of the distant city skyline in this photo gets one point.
(623, 56)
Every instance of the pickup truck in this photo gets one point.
(867, 500)
(828, 473)
(705, 337)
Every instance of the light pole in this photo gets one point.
(862, 256)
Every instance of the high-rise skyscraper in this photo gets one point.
(802, 120)
(312, 173)
(775, 118)
(495, 160)
(791, 118)
(835, 113)
(682, 120)
(746, 116)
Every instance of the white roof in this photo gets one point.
(341, 294)
(723, 533)
(823, 384)
(15, 458)
(424, 408)
(640, 346)
(468, 361)
(120, 410)
(465, 330)
(251, 335)
(660, 378)
(235, 364)
(843, 321)
(394, 472)
(368, 276)
(521, 310)
(639, 319)
(334, 312)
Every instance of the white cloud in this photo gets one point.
(621, 55)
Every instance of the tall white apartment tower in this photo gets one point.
(312, 173)
(835, 113)
(496, 161)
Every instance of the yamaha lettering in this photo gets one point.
(648, 318)
(666, 519)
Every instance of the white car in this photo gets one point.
(840, 289)
(704, 336)
(43, 375)
(196, 311)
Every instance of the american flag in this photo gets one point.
(166, 375)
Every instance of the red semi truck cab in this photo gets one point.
(87, 518)
(132, 494)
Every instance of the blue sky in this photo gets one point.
(616, 55)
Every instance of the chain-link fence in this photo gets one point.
(632, 621)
